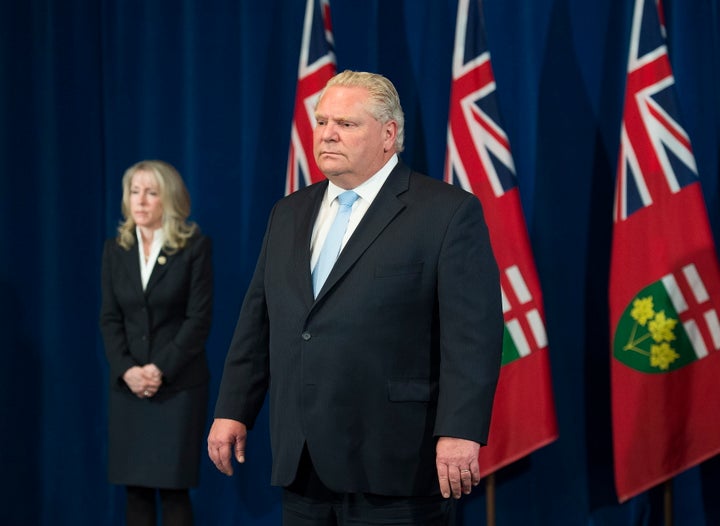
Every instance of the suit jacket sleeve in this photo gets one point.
(247, 371)
(471, 326)
(111, 319)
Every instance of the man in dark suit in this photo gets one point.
(381, 379)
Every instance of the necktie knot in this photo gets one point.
(333, 242)
(347, 198)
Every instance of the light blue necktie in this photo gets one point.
(333, 241)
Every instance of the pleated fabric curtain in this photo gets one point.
(87, 88)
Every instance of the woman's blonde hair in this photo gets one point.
(176, 206)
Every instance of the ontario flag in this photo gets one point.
(317, 66)
(479, 159)
(664, 282)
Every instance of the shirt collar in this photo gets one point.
(158, 236)
(370, 188)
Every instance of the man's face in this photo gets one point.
(350, 145)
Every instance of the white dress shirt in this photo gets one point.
(367, 192)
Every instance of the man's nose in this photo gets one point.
(329, 132)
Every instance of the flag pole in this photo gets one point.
(490, 499)
(668, 502)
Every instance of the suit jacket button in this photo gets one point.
(306, 336)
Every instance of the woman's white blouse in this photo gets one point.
(146, 267)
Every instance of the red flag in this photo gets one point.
(479, 159)
(664, 282)
(317, 66)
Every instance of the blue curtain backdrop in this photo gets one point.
(88, 87)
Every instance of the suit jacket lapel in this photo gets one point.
(306, 215)
(131, 262)
(162, 263)
(385, 207)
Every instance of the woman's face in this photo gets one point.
(146, 206)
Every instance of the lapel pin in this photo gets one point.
(162, 260)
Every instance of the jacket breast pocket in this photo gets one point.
(398, 287)
(399, 270)
(409, 390)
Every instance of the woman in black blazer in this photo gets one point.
(155, 318)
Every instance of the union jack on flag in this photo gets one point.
(475, 115)
(317, 66)
(652, 140)
(479, 159)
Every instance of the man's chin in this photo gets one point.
(331, 168)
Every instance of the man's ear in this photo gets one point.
(390, 132)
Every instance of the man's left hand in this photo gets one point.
(457, 466)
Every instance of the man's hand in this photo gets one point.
(226, 437)
(457, 466)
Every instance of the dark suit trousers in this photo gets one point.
(141, 509)
(308, 502)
